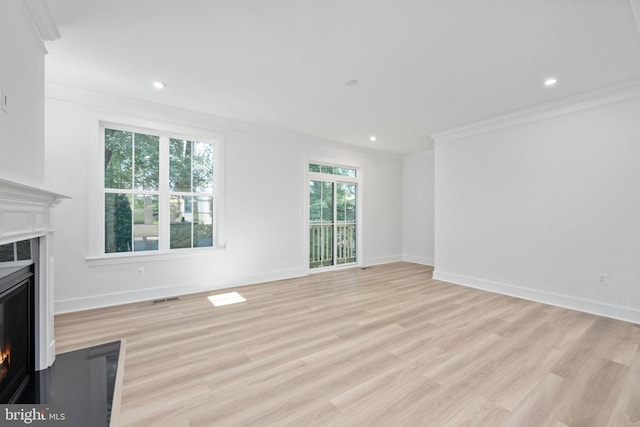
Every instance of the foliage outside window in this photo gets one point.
(332, 215)
(190, 183)
(333, 170)
(142, 211)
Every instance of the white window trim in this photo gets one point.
(96, 255)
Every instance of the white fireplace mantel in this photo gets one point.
(27, 213)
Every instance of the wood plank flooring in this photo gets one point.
(381, 346)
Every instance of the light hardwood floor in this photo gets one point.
(383, 346)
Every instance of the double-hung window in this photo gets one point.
(159, 191)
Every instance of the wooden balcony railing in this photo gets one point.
(321, 244)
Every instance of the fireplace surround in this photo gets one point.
(26, 213)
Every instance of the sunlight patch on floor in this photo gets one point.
(226, 299)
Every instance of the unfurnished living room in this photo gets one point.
(320, 213)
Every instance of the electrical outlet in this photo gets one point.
(603, 278)
(140, 271)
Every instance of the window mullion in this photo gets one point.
(163, 197)
(133, 194)
(193, 207)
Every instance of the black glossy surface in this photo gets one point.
(82, 381)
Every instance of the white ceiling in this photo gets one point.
(422, 65)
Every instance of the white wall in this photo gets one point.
(22, 78)
(417, 208)
(541, 207)
(265, 195)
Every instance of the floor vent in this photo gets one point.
(165, 300)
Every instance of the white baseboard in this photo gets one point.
(565, 301)
(107, 300)
(384, 260)
(418, 260)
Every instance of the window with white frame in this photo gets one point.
(159, 191)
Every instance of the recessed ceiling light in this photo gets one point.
(159, 85)
(352, 82)
(372, 138)
(551, 81)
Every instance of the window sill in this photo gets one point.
(151, 256)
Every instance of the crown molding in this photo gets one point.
(592, 99)
(39, 20)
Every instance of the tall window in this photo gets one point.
(191, 187)
(132, 184)
(158, 192)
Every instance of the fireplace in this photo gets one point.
(27, 342)
(26, 215)
(16, 331)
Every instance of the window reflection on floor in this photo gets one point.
(226, 299)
